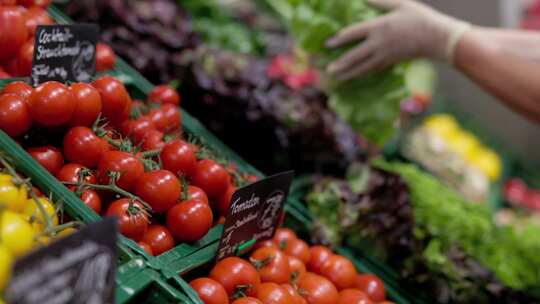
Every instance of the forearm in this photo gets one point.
(525, 44)
(509, 75)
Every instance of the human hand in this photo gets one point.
(410, 30)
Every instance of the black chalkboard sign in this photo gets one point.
(64, 53)
(79, 268)
(254, 212)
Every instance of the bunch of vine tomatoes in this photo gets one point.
(286, 270)
(124, 158)
(18, 22)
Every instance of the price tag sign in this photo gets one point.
(79, 268)
(254, 212)
(64, 53)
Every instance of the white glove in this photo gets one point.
(409, 30)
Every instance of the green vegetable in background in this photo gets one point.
(371, 103)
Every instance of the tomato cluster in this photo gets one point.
(18, 22)
(123, 158)
(287, 270)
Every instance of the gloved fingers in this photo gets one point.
(352, 33)
(372, 63)
(386, 4)
(352, 57)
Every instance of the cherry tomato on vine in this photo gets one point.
(272, 293)
(371, 285)
(116, 102)
(297, 268)
(17, 235)
(35, 16)
(189, 220)
(172, 115)
(129, 167)
(164, 94)
(295, 297)
(283, 237)
(19, 88)
(33, 214)
(132, 219)
(298, 248)
(13, 33)
(6, 263)
(91, 199)
(51, 104)
(178, 157)
(82, 146)
(318, 289)
(236, 274)
(159, 238)
(158, 119)
(247, 300)
(340, 271)
(211, 177)
(72, 173)
(139, 128)
(160, 189)
(153, 140)
(48, 156)
(353, 296)
(210, 291)
(318, 256)
(12, 197)
(25, 56)
(87, 104)
(15, 116)
(197, 193)
(146, 248)
(105, 57)
(272, 265)
(224, 201)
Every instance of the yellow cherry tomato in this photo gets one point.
(488, 162)
(11, 196)
(36, 218)
(16, 234)
(42, 241)
(463, 143)
(442, 124)
(6, 262)
(66, 232)
(4, 177)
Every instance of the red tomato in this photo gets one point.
(197, 193)
(8, 2)
(91, 199)
(172, 115)
(51, 104)
(233, 274)
(164, 94)
(298, 248)
(153, 140)
(210, 291)
(115, 100)
(178, 157)
(105, 57)
(158, 119)
(265, 243)
(319, 255)
(211, 177)
(272, 293)
(146, 248)
(295, 297)
(247, 300)
(283, 236)
(82, 146)
(129, 167)
(189, 220)
(318, 290)
(132, 220)
(371, 285)
(30, 3)
(224, 201)
(340, 271)
(72, 173)
(139, 128)
(35, 16)
(25, 56)
(15, 117)
(13, 33)
(49, 157)
(272, 264)
(19, 88)
(160, 189)
(159, 238)
(353, 296)
(297, 268)
(87, 104)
